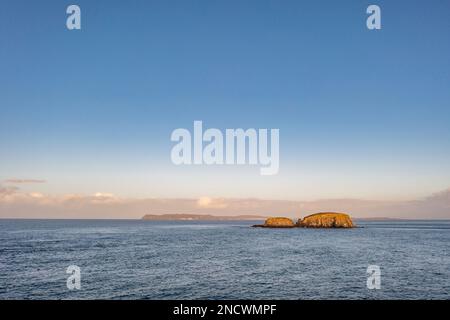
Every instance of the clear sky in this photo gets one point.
(362, 114)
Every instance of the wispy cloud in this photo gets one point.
(5, 191)
(23, 181)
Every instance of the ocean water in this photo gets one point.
(222, 260)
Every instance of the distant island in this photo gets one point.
(198, 217)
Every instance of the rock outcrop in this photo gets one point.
(277, 222)
(326, 220)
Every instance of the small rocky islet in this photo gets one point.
(317, 220)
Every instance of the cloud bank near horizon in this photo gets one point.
(23, 181)
(17, 204)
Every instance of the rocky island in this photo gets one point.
(326, 220)
(317, 220)
(277, 222)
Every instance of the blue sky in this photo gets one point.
(362, 114)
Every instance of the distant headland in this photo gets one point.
(198, 217)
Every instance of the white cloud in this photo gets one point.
(211, 203)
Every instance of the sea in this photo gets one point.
(136, 259)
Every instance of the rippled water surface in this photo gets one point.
(222, 260)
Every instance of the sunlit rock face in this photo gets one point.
(326, 220)
(277, 222)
